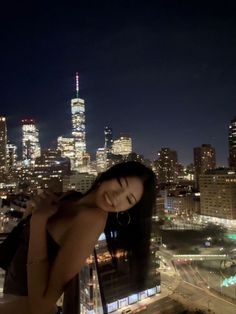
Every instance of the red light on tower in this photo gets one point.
(28, 121)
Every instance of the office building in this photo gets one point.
(137, 157)
(108, 139)
(159, 210)
(181, 200)
(166, 166)
(11, 155)
(80, 182)
(50, 168)
(204, 159)
(232, 144)
(78, 125)
(122, 146)
(113, 159)
(3, 145)
(101, 159)
(74, 146)
(78, 129)
(30, 142)
(67, 147)
(184, 206)
(218, 194)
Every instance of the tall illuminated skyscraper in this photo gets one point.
(78, 125)
(232, 144)
(3, 144)
(30, 142)
(11, 155)
(67, 147)
(108, 139)
(74, 146)
(101, 159)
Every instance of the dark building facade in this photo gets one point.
(3, 145)
(107, 286)
(232, 144)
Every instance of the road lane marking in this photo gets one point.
(209, 293)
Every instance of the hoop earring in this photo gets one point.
(121, 222)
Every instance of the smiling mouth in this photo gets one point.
(108, 200)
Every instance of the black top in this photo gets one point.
(16, 275)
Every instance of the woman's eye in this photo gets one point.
(129, 200)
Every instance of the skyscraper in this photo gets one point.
(78, 125)
(3, 144)
(74, 146)
(30, 142)
(50, 168)
(67, 147)
(204, 159)
(11, 155)
(167, 166)
(108, 139)
(232, 144)
(101, 159)
(122, 146)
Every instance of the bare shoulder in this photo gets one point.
(92, 214)
(77, 243)
(88, 220)
(80, 239)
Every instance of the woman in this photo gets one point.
(70, 227)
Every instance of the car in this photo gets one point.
(127, 311)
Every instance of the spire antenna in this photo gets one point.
(77, 85)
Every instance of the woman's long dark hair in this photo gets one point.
(134, 238)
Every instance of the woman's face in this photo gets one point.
(120, 194)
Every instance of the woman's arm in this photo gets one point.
(77, 244)
(37, 264)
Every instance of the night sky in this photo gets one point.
(162, 71)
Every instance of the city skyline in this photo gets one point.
(164, 74)
(114, 139)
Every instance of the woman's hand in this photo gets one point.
(45, 204)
